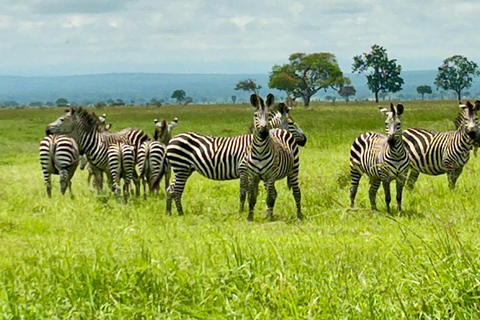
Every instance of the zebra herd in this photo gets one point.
(268, 154)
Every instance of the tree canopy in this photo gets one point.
(248, 85)
(385, 73)
(61, 102)
(347, 91)
(425, 89)
(306, 74)
(179, 95)
(456, 73)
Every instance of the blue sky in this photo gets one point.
(60, 37)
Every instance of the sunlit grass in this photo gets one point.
(96, 257)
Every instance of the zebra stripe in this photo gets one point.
(150, 165)
(216, 158)
(59, 154)
(273, 155)
(121, 162)
(382, 157)
(436, 153)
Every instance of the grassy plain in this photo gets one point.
(95, 257)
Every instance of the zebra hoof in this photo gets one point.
(250, 217)
(299, 216)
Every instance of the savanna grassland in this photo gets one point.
(93, 257)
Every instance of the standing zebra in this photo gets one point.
(59, 155)
(436, 153)
(85, 129)
(382, 157)
(163, 132)
(273, 155)
(121, 163)
(459, 120)
(150, 165)
(217, 158)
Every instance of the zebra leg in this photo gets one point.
(355, 177)
(48, 182)
(374, 185)
(243, 190)
(388, 195)
(90, 175)
(136, 180)
(453, 177)
(400, 184)
(297, 195)
(63, 180)
(412, 178)
(176, 190)
(271, 197)
(144, 182)
(252, 196)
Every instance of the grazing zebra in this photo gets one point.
(436, 153)
(382, 157)
(273, 155)
(86, 130)
(121, 162)
(59, 154)
(150, 165)
(163, 132)
(216, 158)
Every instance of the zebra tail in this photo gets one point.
(289, 183)
(163, 168)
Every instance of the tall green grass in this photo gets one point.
(96, 257)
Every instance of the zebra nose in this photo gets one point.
(302, 141)
(48, 131)
(472, 134)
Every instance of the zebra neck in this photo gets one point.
(261, 146)
(396, 145)
(89, 140)
(465, 141)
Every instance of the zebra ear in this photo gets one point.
(468, 105)
(392, 109)
(155, 121)
(383, 110)
(255, 101)
(270, 100)
(400, 109)
(477, 105)
(108, 126)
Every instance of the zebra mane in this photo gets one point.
(90, 119)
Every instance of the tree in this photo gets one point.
(110, 102)
(383, 95)
(424, 90)
(306, 74)
(347, 91)
(49, 104)
(61, 102)
(234, 98)
(456, 73)
(35, 104)
(118, 102)
(179, 95)
(385, 75)
(248, 85)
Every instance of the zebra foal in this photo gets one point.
(382, 157)
(60, 155)
(273, 155)
(435, 153)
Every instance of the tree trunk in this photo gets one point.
(423, 96)
(459, 93)
(376, 96)
(306, 100)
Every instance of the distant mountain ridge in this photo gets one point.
(142, 87)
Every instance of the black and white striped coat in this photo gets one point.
(382, 157)
(151, 157)
(121, 163)
(272, 155)
(60, 155)
(436, 153)
(216, 158)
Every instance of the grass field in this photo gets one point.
(94, 257)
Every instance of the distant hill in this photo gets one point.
(142, 87)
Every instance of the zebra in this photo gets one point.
(436, 153)
(272, 155)
(163, 132)
(60, 155)
(85, 129)
(217, 158)
(121, 163)
(382, 157)
(459, 121)
(150, 165)
(83, 158)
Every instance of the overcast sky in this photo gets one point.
(58, 37)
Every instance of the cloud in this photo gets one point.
(89, 36)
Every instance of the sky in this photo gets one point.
(69, 37)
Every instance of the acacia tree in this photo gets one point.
(456, 73)
(234, 98)
(385, 73)
(306, 74)
(179, 95)
(248, 85)
(424, 90)
(347, 91)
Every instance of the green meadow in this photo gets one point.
(94, 257)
